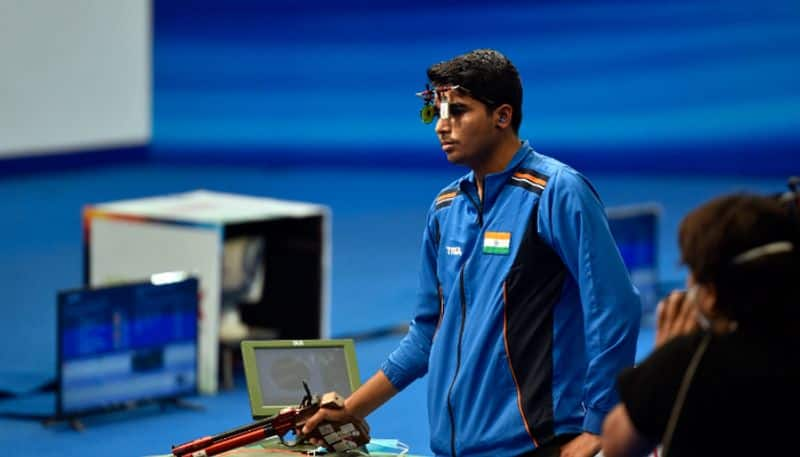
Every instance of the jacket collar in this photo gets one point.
(494, 183)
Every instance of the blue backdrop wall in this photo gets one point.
(690, 87)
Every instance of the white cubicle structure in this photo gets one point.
(190, 232)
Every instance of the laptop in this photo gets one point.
(276, 369)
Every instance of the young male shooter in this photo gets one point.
(526, 312)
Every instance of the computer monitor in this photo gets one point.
(275, 371)
(635, 229)
(124, 344)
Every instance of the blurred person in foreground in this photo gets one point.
(525, 311)
(726, 369)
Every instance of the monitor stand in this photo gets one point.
(76, 424)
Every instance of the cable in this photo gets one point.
(682, 392)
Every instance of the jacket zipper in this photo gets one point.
(479, 206)
(450, 410)
(458, 367)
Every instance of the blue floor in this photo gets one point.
(378, 217)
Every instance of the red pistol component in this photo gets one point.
(336, 436)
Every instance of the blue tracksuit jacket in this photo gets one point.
(525, 315)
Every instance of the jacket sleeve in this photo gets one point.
(573, 222)
(409, 360)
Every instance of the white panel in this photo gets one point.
(127, 250)
(74, 75)
(205, 206)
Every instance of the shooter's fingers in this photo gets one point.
(668, 312)
(687, 321)
(324, 414)
(316, 442)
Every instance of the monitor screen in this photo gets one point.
(125, 343)
(276, 369)
(635, 229)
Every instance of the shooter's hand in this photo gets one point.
(584, 445)
(334, 412)
(676, 315)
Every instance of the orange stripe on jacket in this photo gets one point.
(511, 368)
(446, 196)
(531, 178)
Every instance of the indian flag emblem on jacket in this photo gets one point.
(496, 243)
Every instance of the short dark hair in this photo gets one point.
(712, 239)
(488, 76)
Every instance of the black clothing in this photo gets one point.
(742, 399)
(551, 448)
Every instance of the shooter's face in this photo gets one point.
(468, 134)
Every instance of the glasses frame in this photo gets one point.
(429, 96)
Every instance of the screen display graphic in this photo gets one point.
(126, 343)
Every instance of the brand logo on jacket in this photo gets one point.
(497, 243)
(453, 250)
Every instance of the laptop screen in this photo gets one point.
(276, 369)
